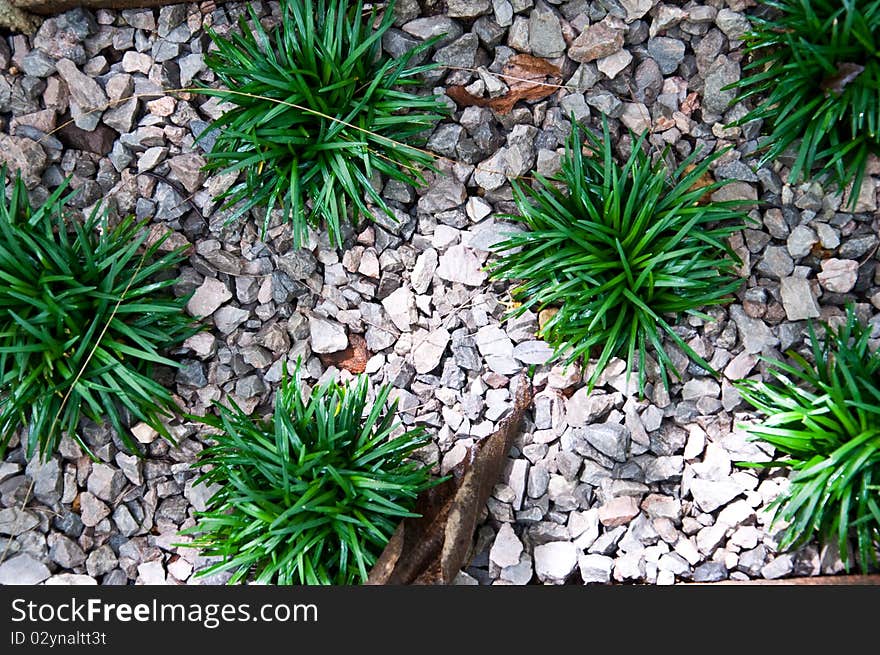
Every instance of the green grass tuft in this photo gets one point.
(619, 249)
(83, 320)
(311, 494)
(317, 112)
(823, 418)
(815, 69)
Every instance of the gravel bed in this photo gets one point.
(601, 487)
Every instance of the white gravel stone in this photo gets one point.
(800, 241)
(555, 561)
(22, 569)
(712, 494)
(533, 352)
(423, 272)
(660, 506)
(520, 573)
(696, 442)
(491, 174)
(629, 566)
(144, 433)
(92, 510)
(327, 336)
(778, 568)
(151, 573)
(444, 193)
(736, 513)
(71, 579)
(583, 527)
(839, 275)
(460, 264)
(228, 318)
(584, 407)
(697, 388)
(507, 548)
(106, 482)
(611, 439)
(665, 578)
(797, 299)
(208, 298)
(517, 480)
(716, 464)
(740, 366)
(180, 569)
(755, 334)
(710, 537)
(497, 349)
(15, 521)
(595, 569)
(636, 117)
(428, 349)
(614, 63)
(401, 308)
(635, 9)
(618, 511)
(746, 537)
(687, 549)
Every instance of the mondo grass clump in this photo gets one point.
(621, 251)
(317, 112)
(85, 313)
(823, 419)
(311, 494)
(815, 75)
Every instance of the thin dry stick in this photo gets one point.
(512, 77)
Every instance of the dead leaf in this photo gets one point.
(819, 252)
(847, 72)
(690, 104)
(545, 315)
(703, 181)
(663, 123)
(465, 98)
(353, 359)
(527, 78)
(433, 548)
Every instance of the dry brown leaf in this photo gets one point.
(545, 315)
(703, 181)
(819, 252)
(465, 98)
(527, 77)
(690, 104)
(433, 548)
(847, 72)
(353, 359)
(663, 123)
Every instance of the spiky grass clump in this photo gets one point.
(815, 71)
(619, 249)
(82, 321)
(312, 494)
(316, 113)
(823, 418)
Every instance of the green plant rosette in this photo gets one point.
(823, 418)
(317, 114)
(312, 493)
(85, 315)
(620, 251)
(815, 76)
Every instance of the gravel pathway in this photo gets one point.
(600, 488)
